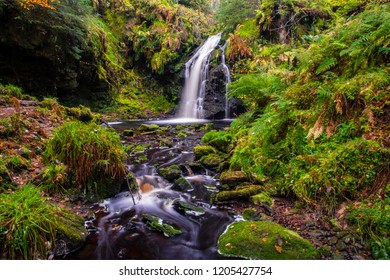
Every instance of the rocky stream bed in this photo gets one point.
(177, 211)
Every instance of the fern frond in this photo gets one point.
(326, 64)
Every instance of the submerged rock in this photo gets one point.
(188, 208)
(266, 241)
(182, 185)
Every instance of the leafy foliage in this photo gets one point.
(29, 224)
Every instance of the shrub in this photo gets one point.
(90, 151)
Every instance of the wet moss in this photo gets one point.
(233, 178)
(266, 241)
(201, 151)
(156, 224)
(212, 161)
(262, 199)
(241, 193)
(170, 173)
(188, 208)
(182, 185)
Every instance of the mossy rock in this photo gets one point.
(233, 178)
(170, 173)
(262, 199)
(148, 127)
(165, 142)
(188, 208)
(241, 193)
(212, 161)
(221, 140)
(201, 151)
(182, 185)
(157, 224)
(264, 240)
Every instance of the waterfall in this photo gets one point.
(227, 81)
(196, 74)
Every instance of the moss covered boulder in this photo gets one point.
(233, 178)
(221, 140)
(212, 161)
(241, 193)
(264, 240)
(201, 151)
(170, 173)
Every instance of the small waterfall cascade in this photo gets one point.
(196, 74)
(227, 81)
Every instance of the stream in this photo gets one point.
(161, 221)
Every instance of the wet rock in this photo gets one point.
(201, 151)
(241, 193)
(188, 208)
(170, 173)
(157, 224)
(250, 214)
(212, 161)
(182, 185)
(262, 199)
(264, 240)
(233, 178)
(166, 142)
(148, 127)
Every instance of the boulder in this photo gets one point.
(264, 240)
(170, 173)
(241, 193)
(233, 178)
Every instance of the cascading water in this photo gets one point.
(191, 104)
(227, 81)
(122, 226)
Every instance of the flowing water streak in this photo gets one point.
(227, 81)
(196, 74)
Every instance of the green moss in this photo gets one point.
(233, 178)
(266, 241)
(188, 208)
(148, 127)
(220, 140)
(262, 199)
(212, 161)
(128, 132)
(5, 178)
(156, 224)
(182, 185)
(170, 173)
(201, 151)
(81, 113)
(241, 193)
